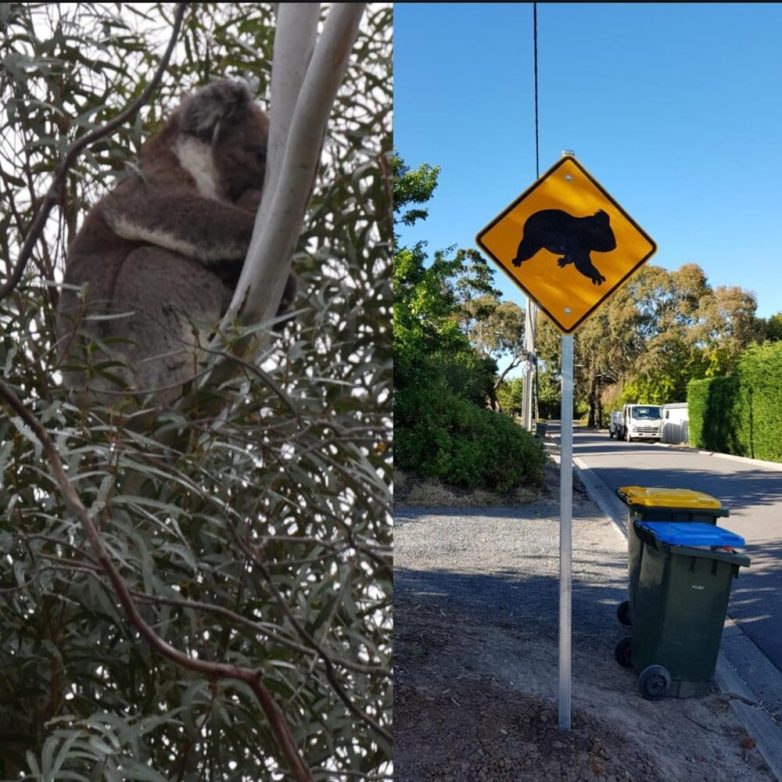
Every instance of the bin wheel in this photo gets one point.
(654, 682)
(623, 652)
(623, 613)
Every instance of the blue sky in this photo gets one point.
(675, 109)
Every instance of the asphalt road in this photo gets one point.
(751, 490)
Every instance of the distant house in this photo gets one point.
(676, 422)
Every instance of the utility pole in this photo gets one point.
(531, 314)
(527, 418)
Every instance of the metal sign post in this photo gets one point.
(568, 245)
(565, 530)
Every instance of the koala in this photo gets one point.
(160, 255)
(572, 237)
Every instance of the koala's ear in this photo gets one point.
(215, 107)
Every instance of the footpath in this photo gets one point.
(743, 671)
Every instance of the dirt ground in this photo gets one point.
(476, 658)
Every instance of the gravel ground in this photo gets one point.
(476, 658)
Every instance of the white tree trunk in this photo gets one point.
(306, 75)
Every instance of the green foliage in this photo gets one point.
(413, 187)
(439, 435)
(467, 374)
(495, 328)
(510, 395)
(651, 390)
(741, 413)
(657, 332)
(760, 377)
(712, 408)
(442, 383)
(259, 536)
(428, 296)
(773, 327)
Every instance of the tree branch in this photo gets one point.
(261, 628)
(63, 565)
(278, 225)
(297, 28)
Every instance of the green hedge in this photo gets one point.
(439, 435)
(741, 413)
(711, 405)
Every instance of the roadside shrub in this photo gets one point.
(439, 435)
(467, 374)
(741, 413)
(712, 408)
(760, 419)
(697, 394)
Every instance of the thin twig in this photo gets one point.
(196, 605)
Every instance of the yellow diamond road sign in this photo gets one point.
(566, 243)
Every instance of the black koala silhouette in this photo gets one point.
(572, 237)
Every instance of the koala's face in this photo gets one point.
(224, 117)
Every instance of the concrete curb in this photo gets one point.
(738, 651)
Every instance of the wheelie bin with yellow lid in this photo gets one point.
(684, 583)
(657, 503)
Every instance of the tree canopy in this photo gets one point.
(660, 330)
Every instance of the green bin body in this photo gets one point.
(681, 603)
(660, 504)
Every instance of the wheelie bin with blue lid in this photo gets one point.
(656, 503)
(685, 578)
